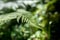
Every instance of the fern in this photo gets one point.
(21, 24)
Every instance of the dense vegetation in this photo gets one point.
(25, 20)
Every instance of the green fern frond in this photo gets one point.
(20, 13)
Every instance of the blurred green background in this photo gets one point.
(29, 19)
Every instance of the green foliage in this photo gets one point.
(29, 23)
